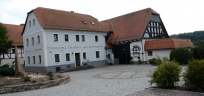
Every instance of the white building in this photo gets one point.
(55, 40)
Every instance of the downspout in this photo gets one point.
(142, 51)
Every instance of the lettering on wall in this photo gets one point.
(65, 47)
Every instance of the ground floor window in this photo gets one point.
(39, 56)
(149, 53)
(97, 54)
(33, 59)
(67, 57)
(84, 55)
(28, 60)
(57, 58)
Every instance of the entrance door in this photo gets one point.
(77, 59)
(125, 58)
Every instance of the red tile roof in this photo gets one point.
(108, 46)
(168, 43)
(14, 33)
(58, 19)
(130, 26)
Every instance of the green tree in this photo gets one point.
(201, 51)
(181, 55)
(5, 43)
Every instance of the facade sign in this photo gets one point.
(136, 51)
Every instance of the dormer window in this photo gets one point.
(84, 21)
(92, 23)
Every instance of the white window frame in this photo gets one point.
(76, 38)
(28, 59)
(95, 38)
(65, 37)
(66, 56)
(84, 38)
(98, 54)
(32, 38)
(83, 55)
(33, 21)
(33, 59)
(38, 37)
(29, 23)
(27, 40)
(54, 37)
(55, 58)
(40, 59)
(149, 54)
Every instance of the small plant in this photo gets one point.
(166, 74)
(50, 74)
(59, 76)
(26, 78)
(130, 61)
(194, 76)
(139, 61)
(34, 81)
(51, 78)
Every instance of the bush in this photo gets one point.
(5, 66)
(50, 74)
(195, 53)
(181, 55)
(155, 61)
(194, 75)
(5, 71)
(26, 78)
(166, 74)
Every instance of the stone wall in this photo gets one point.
(33, 86)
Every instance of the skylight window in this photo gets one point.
(92, 23)
(84, 21)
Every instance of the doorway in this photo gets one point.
(125, 58)
(77, 59)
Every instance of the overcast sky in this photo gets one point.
(178, 16)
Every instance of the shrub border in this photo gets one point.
(33, 86)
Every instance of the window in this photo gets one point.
(96, 38)
(39, 57)
(38, 39)
(55, 37)
(29, 23)
(83, 37)
(77, 37)
(149, 53)
(97, 54)
(67, 57)
(32, 40)
(84, 55)
(13, 50)
(33, 59)
(66, 37)
(33, 21)
(28, 60)
(57, 58)
(27, 42)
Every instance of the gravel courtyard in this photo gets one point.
(113, 80)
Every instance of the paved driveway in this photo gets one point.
(115, 80)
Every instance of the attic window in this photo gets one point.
(84, 21)
(92, 23)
